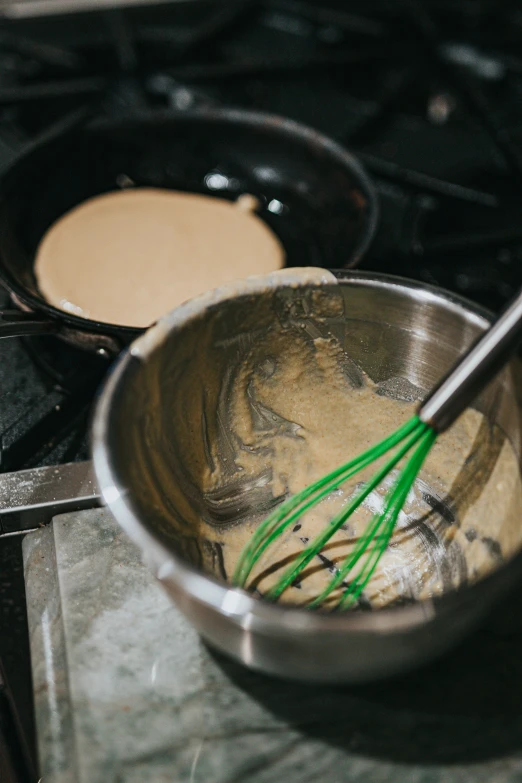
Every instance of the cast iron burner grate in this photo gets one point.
(428, 94)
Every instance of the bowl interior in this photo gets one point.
(175, 451)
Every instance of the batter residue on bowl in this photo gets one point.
(295, 409)
(129, 257)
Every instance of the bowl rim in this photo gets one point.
(251, 613)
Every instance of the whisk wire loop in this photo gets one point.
(313, 549)
(396, 497)
(376, 537)
(290, 510)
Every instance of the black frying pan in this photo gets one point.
(313, 194)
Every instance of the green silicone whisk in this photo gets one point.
(412, 442)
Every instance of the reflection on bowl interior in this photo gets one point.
(258, 396)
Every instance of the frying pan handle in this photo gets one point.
(15, 323)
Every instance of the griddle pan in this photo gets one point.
(313, 194)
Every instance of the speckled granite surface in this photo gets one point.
(126, 692)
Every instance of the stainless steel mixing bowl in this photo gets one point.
(167, 396)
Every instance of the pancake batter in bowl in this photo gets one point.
(129, 257)
(294, 414)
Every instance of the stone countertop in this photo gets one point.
(126, 692)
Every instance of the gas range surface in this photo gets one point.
(427, 94)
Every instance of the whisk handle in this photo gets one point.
(474, 370)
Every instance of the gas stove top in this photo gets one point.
(427, 94)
